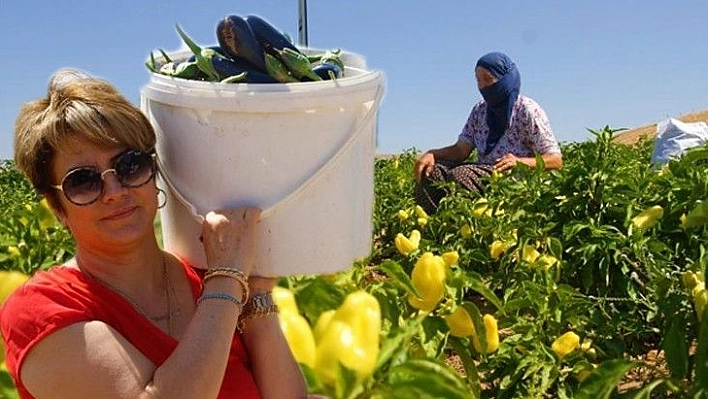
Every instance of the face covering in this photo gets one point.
(500, 96)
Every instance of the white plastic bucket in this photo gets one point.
(302, 152)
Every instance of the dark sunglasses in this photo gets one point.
(84, 185)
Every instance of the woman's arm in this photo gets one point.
(457, 152)
(92, 360)
(551, 162)
(275, 370)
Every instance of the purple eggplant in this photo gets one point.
(227, 67)
(270, 38)
(328, 71)
(237, 40)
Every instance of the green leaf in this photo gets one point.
(645, 392)
(701, 366)
(427, 378)
(676, 350)
(555, 247)
(394, 342)
(394, 270)
(7, 385)
(602, 381)
(203, 56)
(475, 282)
(473, 380)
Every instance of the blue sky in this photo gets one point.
(589, 64)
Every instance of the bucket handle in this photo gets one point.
(199, 218)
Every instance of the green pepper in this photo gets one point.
(277, 70)
(297, 63)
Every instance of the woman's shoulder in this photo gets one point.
(528, 108)
(46, 292)
(47, 302)
(527, 102)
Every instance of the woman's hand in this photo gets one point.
(229, 238)
(424, 164)
(259, 285)
(506, 162)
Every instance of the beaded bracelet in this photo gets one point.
(259, 305)
(235, 274)
(221, 295)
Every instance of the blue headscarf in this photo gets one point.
(501, 96)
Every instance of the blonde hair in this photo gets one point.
(76, 105)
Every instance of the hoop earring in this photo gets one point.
(162, 204)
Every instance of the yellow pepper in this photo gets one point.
(10, 280)
(420, 212)
(422, 222)
(546, 261)
(479, 208)
(491, 333)
(460, 322)
(406, 245)
(648, 217)
(47, 218)
(690, 279)
(299, 336)
(14, 251)
(285, 300)
(696, 217)
(350, 337)
(529, 254)
(428, 278)
(322, 322)
(402, 215)
(497, 249)
(466, 231)
(565, 344)
(451, 258)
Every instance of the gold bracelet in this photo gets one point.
(259, 305)
(235, 274)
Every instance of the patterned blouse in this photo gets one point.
(529, 132)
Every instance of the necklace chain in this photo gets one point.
(169, 292)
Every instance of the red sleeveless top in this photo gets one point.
(63, 296)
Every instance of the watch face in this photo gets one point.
(263, 304)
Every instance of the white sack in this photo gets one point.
(674, 137)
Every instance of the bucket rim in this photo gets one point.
(359, 74)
